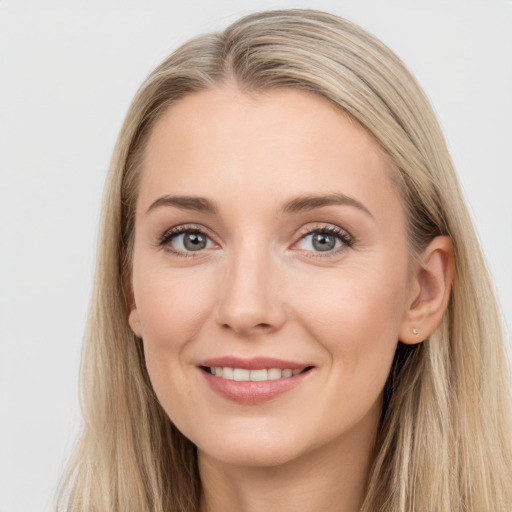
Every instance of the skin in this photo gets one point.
(261, 288)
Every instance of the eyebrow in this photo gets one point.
(198, 204)
(296, 205)
(310, 202)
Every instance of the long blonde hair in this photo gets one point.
(445, 435)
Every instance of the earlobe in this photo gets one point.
(133, 317)
(430, 291)
(134, 322)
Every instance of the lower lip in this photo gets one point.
(252, 392)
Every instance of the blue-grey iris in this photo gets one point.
(323, 241)
(194, 241)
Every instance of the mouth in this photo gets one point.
(253, 375)
(255, 380)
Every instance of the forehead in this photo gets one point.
(269, 145)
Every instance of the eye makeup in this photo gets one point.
(186, 240)
(320, 240)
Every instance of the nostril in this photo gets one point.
(255, 328)
(262, 327)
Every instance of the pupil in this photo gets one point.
(323, 242)
(194, 241)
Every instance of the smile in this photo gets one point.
(255, 380)
(245, 375)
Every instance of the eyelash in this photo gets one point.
(172, 233)
(346, 239)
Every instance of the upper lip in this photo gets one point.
(253, 363)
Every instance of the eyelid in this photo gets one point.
(346, 238)
(173, 232)
(324, 227)
(342, 234)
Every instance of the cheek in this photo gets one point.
(356, 322)
(172, 305)
(356, 314)
(355, 302)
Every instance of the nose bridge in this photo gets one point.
(250, 300)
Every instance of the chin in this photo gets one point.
(256, 445)
(256, 455)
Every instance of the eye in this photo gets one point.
(190, 241)
(182, 240)
(325, 239)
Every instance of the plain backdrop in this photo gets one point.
(68, 71)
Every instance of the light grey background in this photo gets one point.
(68, 71)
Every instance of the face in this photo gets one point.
(270, 274)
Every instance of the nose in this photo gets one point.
(251, 299)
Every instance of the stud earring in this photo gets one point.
(415, 332)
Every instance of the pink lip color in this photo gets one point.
(254, 363)
(252, 392)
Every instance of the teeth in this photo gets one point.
(227, 373)
(245, 375)
(274, 373)
(240, 374)
(259, 374)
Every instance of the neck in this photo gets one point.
(330, 478)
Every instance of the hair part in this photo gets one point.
(445, 436)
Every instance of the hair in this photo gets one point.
(445, 436)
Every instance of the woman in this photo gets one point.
(291, 310)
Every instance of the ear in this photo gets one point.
(133, 317)
(430, 287)
(133, 320)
